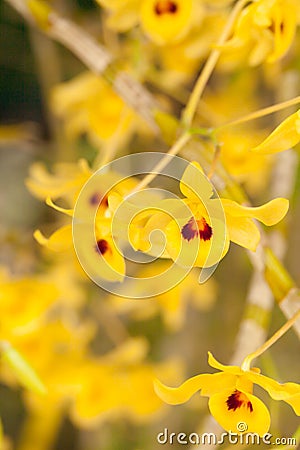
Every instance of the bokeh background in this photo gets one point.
(78, 332)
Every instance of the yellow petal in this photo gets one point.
(288, 392)
(68, 212)
(269, 214)
(60, 240)
(194, 184)
(249, 410)
(285, 25)
(285, 136)
(243, 231)
(235, 370)
(184, 392)
(98, 255)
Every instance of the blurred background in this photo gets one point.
(98, 354)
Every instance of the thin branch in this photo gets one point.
(261, 113)
(276, 336)
(210, 64)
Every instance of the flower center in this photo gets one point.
(102, 246)
(238, 399)
(165, 7)
(197, 228)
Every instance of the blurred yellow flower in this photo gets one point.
(57, 353)
(87, 104)
(24, 303)
(251, 169)
(230, 396)
(166, 21)
(66, 181)
(264, 31)
(171, 304)
(120, 383)
(101, 254)
(179, 60)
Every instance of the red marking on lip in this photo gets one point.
(197, 228)
(165, 7)
(102, 246)
(238, 399)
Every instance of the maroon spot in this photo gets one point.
(237, 400)
(196, 228)
(97, 199)
(190, 230)
(165, 7)
(205, 230)
(102, 246)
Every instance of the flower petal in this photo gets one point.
(269, 214)
(288, 392)
(181, 394)
(285, 136)
(235, 370)
(59, 241)
(99, 255)
(68, 212)
(194, 184)
(248, 410)
(243, 231)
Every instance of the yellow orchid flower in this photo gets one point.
(212, 232)
(231, 400)
(98, 250)
(264, 31)
(87, 104)
(166, 21)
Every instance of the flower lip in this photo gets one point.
(102, 246)
(165, 7)
(238, 399)
(197, 228)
